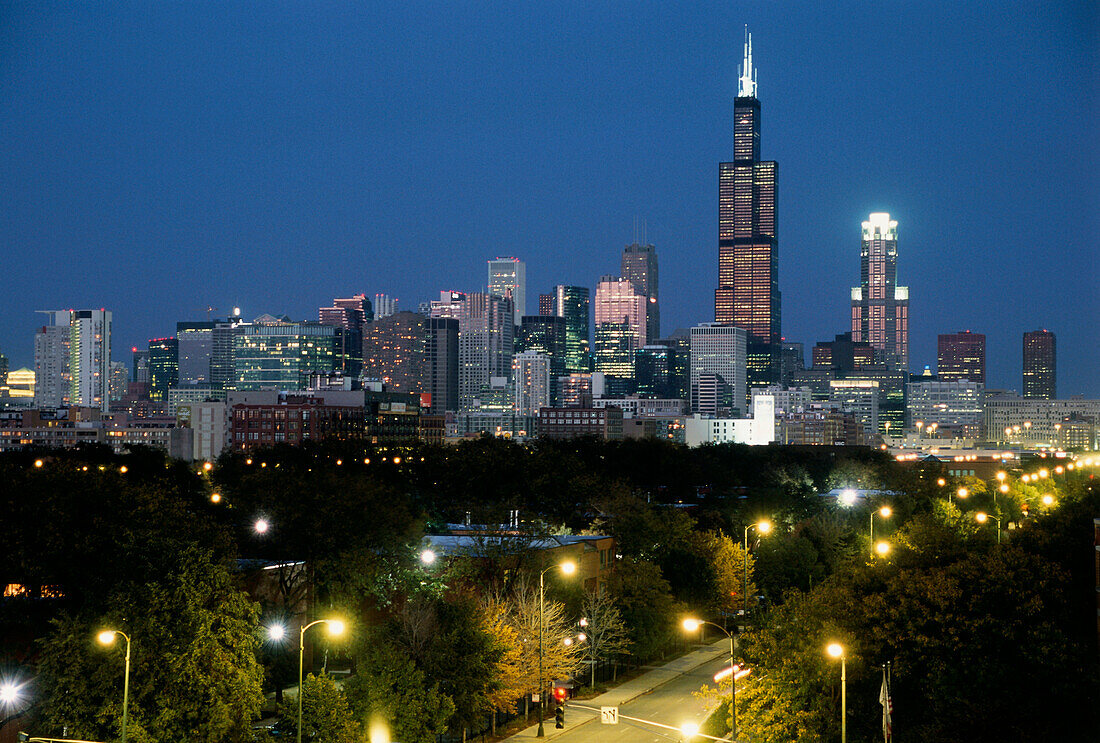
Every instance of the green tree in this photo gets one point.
(389, 693)
(326, 715)
(194, 674)
(646, 604)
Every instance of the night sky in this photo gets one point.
(161, 157)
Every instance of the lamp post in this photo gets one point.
(568, 567)
(981, 517)
(277, 632)
(762, 527)
(885, 513)
(836, 650)
(691, 624)
(107, 637)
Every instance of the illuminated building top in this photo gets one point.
(746, 82)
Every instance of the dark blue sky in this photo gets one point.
(158, 157)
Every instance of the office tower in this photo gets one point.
(53, 377)
(617, 301)
(195, 346)
(395, 351)
(955, 406)
(571, 302)
(544, 334)
(441, 364)
(680, 343)
(654, 372)
(139, 371)
(384, 306)
(486, 340)
(843, 354)
(1040, 364)
(222, 353)
(748, 258)
(3, 369)
(880, 308)
(718, 349)
(546, 304)
(961, 356)
(859, 397)
(508, 278)
(163, 367)
(349, 316)
(639, 267)
(792, 359)
(531, 371)
(281, 354)
(120, 380)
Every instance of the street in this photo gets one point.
(670, 703)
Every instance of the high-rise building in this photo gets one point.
(546, 304)
(195, 350)
(441, 364)
(748, 259)
(223, 348)
(955, 405)
(1040, 365)
(90, 358)
(680, 343)
(639, 266)
(880, 308)
(349, 316)
(655, 372)
(120, 380)
(139, 371)
(281, 354)
(859, 397)
(618, 301)
(508, 278)
(961, 356)
(544, 334)
(571, 302)
(52, 373)
(718, 349)
(394, 351)
(163, 367)
(486, 340)
(843, 354)
(531, 371)
(384, 306)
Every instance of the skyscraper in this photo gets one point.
(441, 364)
(164, 367)
(718, 359)
(486, 340)
(1040, 365)
(277, 353)
(90, 358)
(531, 371)
(384, 306)
(394, 351)
(961, 356)
(880, 308)
(508, 278)
(195, 350)
(349, 316)
(620, 313)
(544, 334)
(748, 260)
(571, 302)
(639, 266)
(52, 373)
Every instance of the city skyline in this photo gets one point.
(143, 179)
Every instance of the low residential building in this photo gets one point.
(822, 427)
(756, 431)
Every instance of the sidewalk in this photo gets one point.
(629, 690)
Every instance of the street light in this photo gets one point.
(763, 527)
(691, 624)
(427, 556)
(882, 548)
(261, 526)
(278, 632)
(689, 729)
(962, 492)
(568, 568)
(981, 517)
(885, 512)
(107, 637)
(836, 650)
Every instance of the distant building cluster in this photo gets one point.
(588, 362)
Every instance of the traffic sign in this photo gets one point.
(609, 715)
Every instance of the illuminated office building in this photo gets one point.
(639, 267)
(880, 308)
(961, 356)
(508, 278)
(1040, 368)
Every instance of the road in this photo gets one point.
(670, 703)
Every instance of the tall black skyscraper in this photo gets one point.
(1040, 367)
(748, 258)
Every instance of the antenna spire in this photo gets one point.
(746, 81)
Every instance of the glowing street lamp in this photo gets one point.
(763, 527)
(882, 548)
(107, 637)
(567, 568)
(428, 557)
(691, 625)
(981, 517)
(689, 729)
(836, 650)
(261, 526)
(885, 512)
(1048, 500)
(278, 632)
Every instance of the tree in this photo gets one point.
(606, 634)
(389, 693)
(194, 674)
(646, 604)
(326, 715)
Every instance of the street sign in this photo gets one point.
(609, 715)
(536, 697)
